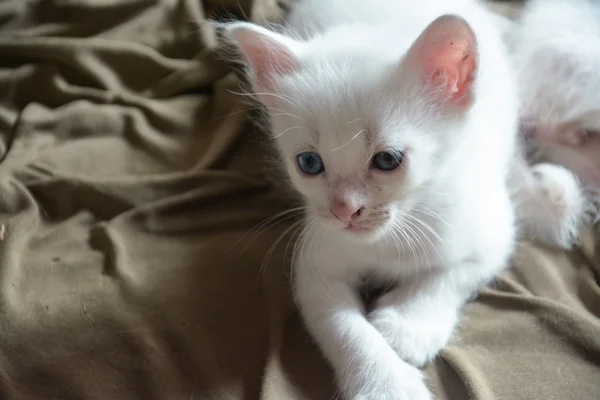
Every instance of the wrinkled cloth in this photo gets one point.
(137, 260)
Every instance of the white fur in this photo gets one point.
(442, 225)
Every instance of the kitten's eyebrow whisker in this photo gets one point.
(356, 120)
(349, 141)
(286, 130)
(287, 114)
(252, 94)
(283, 112)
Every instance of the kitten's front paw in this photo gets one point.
(407, 383)
(561, 206)
(416, 340)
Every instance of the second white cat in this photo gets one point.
(556, 51)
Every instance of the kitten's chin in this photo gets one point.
(365, 231)
(360, 233)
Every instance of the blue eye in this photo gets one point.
(310, 163)
(387, 161)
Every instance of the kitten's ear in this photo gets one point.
(269, 54)
(445, 57)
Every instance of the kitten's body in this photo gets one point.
(385, 76)
(556, 48)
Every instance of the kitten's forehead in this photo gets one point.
(340, 85)
(349, 108)
(342, 136)
(341, 90)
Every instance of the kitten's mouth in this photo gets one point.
(358, 229)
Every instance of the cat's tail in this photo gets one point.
(551, 204)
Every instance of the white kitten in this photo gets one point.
(556, 48)
(397, 124)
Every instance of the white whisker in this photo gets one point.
(429, 228)
(349, 141)
(288, 100)
(427, 211)
(287, 130)
(356, 120)
(423, 235)
(274, 246)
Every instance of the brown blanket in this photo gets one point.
(130, 182)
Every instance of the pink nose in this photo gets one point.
(345, 212)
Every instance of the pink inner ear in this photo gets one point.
(446, 53)
(270, 61)
(267, 56)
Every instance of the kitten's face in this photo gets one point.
(359, 130)
(358, 153)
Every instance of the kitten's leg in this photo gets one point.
(418, 321)
(366, 367)
(419, 316)
(550, 203)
